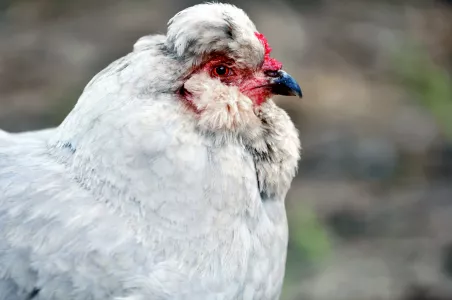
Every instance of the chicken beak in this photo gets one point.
(285, 85)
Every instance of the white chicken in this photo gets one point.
(166, 181)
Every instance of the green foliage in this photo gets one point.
(309, 245)
(429, 83)
(308, 235)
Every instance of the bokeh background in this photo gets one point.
(371, 209)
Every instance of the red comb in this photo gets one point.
(269, 63)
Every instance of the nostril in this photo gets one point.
(271, 73)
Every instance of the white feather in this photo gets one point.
(135, 197)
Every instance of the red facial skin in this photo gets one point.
(252, 83)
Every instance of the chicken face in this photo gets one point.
(230, 70)
(258, 84)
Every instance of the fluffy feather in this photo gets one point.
(138, 196)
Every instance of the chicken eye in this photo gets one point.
(222, 71)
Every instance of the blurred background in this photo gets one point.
(371, 209)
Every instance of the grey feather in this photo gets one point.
(129, 199)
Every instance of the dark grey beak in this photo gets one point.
(285, 85)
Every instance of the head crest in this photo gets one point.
(269, 62)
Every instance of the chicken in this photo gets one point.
(166, 181)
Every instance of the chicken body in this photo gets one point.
(164, 182)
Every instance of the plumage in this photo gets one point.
(166, 181)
